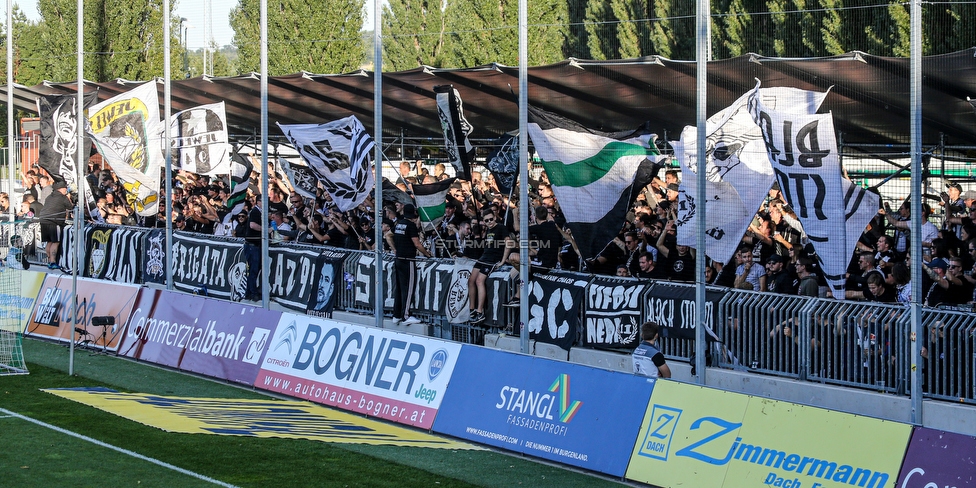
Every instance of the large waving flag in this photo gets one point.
(802, 148)
(126, 129)
(59, 134)
(432, 200)
(503, 162)
(592, 175)
(340, 153)
(737, 171)
(200, 139)
(456, 130)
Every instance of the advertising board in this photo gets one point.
(555, 410)
(379, 373)
(16, 305)
(212, 337)
(696, 436)
(938, 459)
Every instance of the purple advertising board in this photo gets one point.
(216, 338)
(563, 412)
(937, 459)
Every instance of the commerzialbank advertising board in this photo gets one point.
(694, 436)
(555, 410)
(379, 373)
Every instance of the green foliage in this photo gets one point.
(414, 34)
(303, 35)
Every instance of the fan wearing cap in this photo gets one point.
(52, 218)
(406, 245)
(948, 285)
(779, 278)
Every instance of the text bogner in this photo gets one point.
(203, 340)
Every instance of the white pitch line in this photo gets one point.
(118, 449)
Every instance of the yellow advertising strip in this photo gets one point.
(253, 418)
(18, 291)
(757, 442)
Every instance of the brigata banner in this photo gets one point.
(560, 411)
(938, 459)
(380, 373)
(696, 436)
(216, 338)
(53, 315)
(216, 263)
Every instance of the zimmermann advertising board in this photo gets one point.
(695, 436)
(380, 373)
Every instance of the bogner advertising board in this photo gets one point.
(555, 410)
(695, 436)
(212, 337)
(380, 373)
(53, 315)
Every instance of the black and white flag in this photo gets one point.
(612, 312)
(301, 177)
(340, 154)
(802, 147)
(504, 160)
(199, 137)
(555, 301)
(456, 130)
(327, 278)
(58, 148)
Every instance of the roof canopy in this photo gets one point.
(869, 95)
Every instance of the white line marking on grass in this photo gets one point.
(118, 449)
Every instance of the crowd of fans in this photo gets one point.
(482, 223)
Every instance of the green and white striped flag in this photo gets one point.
(592, 174)
(431, 200)
(240, 180)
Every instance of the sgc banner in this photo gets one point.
(290, 278)
(385, 374)
(673, 308)
(207, 261)
(555, 410)
(695, 436)
(612, 313)
(212, 337)
(328, 276)
(555, 300)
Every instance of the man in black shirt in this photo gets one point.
(406, 245)
(494, 248)
(252, 248)
(52, 217)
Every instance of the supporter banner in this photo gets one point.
(18, 306)
(379, 373)
(214, 263)
(695, 436)
(290, 275)
(329, 270)
(53, 315)
(673, 308)
(612, 313)
(112, 253)
(938, 459)
(67, 259)
(496, 294)
(555, 300)
(154, 256)
(433, 281)
(456, 305)
(364, 287)
(555, 410)
(216, 338)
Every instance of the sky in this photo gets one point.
(195, 13)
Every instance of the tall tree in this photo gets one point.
(601, 30)
(320, 36)
(133, 37)
(633, 36)
(414, 34)
(486, 31)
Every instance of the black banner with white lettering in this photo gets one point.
(290, 276)
(210, 264)
(612, 313)
(433, 281)
(113, 252)
(68, 255)
(361, 270)
(555, 300)
(154, 256)
(673, 308)
(328, 276)
(498, 291)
